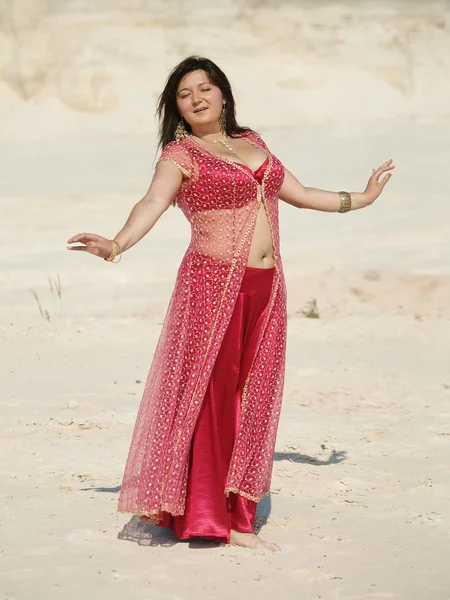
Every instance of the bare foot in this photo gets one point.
(251, 540)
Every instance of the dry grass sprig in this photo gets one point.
(56, 292)
(44, 314)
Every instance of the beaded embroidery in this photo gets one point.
(221, 199)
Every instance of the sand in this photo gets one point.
(361, 487)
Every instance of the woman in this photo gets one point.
(202, 447)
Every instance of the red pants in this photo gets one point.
(209, 513)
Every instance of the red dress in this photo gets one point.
(208, 512)
(221, 199)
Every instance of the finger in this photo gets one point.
(77, 248)
(385, 179)
(382, 170)
(387, 163)
(84, 237)
(80, 237)
(90, 249)
(76, 238)
(385, 169)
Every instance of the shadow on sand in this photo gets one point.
(146, 534)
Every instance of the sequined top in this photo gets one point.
(221, 199)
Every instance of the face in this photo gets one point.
(199, 101)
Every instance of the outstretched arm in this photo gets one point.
(293, 192)
(164, 187)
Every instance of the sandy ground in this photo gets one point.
(361, 486)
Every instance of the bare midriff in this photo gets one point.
(261, 250)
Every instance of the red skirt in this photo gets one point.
(208, 512)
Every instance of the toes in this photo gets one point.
(273, 547)
(253, 542)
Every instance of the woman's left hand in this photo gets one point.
(375, 187)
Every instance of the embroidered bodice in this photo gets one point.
(218, 196)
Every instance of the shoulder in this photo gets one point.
(177, 153)
(176, 146)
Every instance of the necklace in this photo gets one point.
(224, 142)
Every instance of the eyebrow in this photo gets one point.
(187, 89)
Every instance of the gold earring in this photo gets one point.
(180, 131)
(223, 119)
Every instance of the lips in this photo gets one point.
(201, 109)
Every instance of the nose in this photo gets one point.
(196, 99)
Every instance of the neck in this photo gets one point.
(209, 134)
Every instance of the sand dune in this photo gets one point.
(70, 62)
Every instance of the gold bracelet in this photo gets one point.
(119, 253)
(116, 249)
(346, 202)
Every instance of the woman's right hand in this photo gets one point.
(92, 243)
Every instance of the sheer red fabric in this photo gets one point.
(208, 512)
(221, 199)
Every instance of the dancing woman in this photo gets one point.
(202, 447)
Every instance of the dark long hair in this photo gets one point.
(167, 110)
